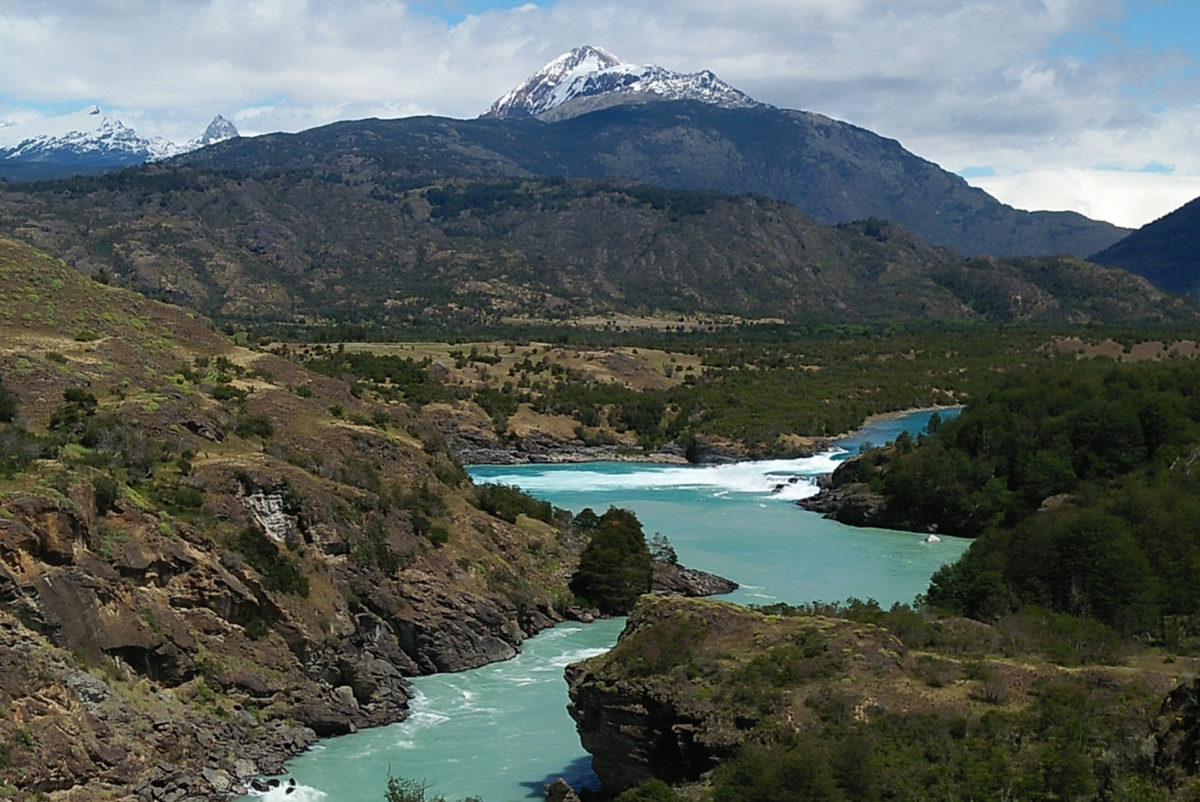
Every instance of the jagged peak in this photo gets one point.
(218, 130)
(590, 71)
(582, 56)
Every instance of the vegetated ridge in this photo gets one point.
(367, 238)
(1166, 251)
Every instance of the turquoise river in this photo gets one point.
(501, 731)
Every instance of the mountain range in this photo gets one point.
(588, 115)
(570, 196)
(89, 141)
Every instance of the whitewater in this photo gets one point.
(501, 731)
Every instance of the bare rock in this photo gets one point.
(559, 791)
(671, 579)
(92, 691)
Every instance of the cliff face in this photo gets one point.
(209, 556)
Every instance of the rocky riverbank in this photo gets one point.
(846, 495)
(474, 445)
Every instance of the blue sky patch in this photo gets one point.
(455, 11)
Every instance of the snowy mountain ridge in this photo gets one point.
(590, 71)
(93, 137)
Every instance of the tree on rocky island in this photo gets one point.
(614, 568)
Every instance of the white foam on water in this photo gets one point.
(785, 479)
(290, 793)
(425, 718)
(521, 681)
(565, 659)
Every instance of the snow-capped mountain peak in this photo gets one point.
(590, 71)
(92, 138)
(218, 130)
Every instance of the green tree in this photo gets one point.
(614, 568)
(662, 550)
(761, 774)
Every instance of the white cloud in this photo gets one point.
(985, 82)
(1129, 199)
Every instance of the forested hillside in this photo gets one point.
(1166, 251)
(1081, 486)
(365, 243)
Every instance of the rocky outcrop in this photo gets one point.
(270, 514)
(175, 656)
(852, 504)
(142, 604)
(692, 680)
(672, 579)
(559, 791)
(209, 555)
(846, 496)
(681, 689)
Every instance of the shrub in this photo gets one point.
(650, 791)
(402, 789)
(106, 491)
(78, 406)
(257, 628)
(438, 535)
(18, 449)
(375, 551)
(227, 392)
(254, 426)
(178, 498)
(507, 502)
(280, 570)
(8, 404)
(662, 550)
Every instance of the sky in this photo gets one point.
(1087, 105)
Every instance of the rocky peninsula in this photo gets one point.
(853, 698)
